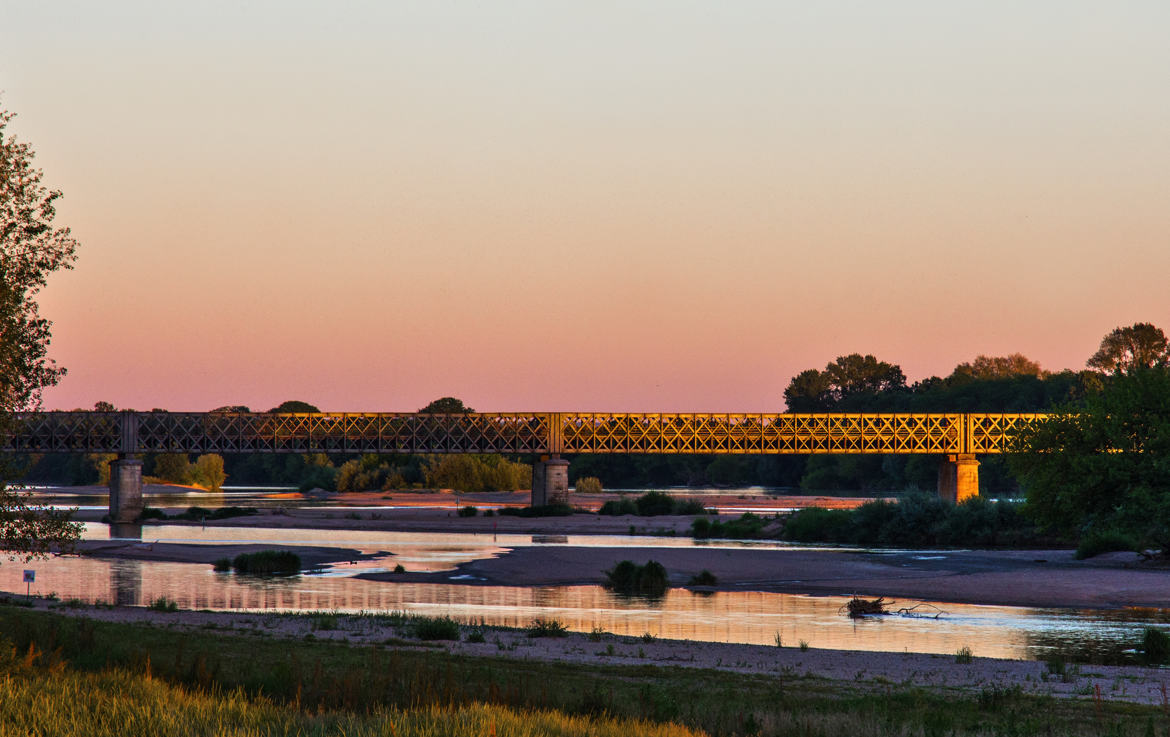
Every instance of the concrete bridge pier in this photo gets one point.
(958, 478)
(125, 489)
(550, 481)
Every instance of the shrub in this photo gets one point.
(703, 578)
(1098, 542)
(630, 578)
(747, 527)
(963, 655)
(654, 503)
(267, 563)
(476, 635)
(437, 628)
(589, 485)
(814, 524)
(207, 471)
(1155, 646)
(690, 506)
(163, 604)
(399, 568)
(151, 513)
(468, 511)
(223, 565)
(547, 628)
(617, 507)
(546, 510)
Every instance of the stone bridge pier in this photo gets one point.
(125, 489)
(958, 478)
(550, 481)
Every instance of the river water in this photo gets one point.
(735, 616)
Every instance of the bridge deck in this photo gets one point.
(537, 433)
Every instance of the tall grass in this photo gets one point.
(322, 687)
(51, 699)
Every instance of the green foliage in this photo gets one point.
(267, 563)
(589, 485)
(1101, 465)
(163, 604)
(207, 472)
(963, 655)
(294, 406)
(468, 511)
(447, 406)
(651, 504)
(547, 628)
(223, 565)
(748, 527)
(1139, 346)
(1097, 542)
(1155, 646)
(172, 467)
(225, 683)
(476, 473)
(629, 578)
(916, 520)
(540, 510)
(618, 507)
(399, 568)
(703, 578)
(436, 628)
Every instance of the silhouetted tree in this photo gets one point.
(447, 406)
(998, 367)
(31, 248)
(1141, 345)
(294, 405)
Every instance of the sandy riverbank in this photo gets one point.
(860, 670)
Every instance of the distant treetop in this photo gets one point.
(1141, 345)
(998, 367)
(294, 405)
(447, 406)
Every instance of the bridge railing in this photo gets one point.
(534, 433)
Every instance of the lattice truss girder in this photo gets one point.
(522, 433)
(762, 433)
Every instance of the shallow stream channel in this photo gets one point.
(726, 616)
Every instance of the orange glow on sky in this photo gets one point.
(651, 206)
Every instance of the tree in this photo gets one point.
(447, 406)
(1104, 465)
(998, 367)
(1124, 349)
(851, 379)
(808, 392)
(294, 405)
(31, 248)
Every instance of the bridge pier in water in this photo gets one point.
(550, 481)
(958, 478)
(125, 490)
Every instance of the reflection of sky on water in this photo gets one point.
(738, 616)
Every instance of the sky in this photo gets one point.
(613, 206)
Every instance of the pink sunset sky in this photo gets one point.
(643, 206)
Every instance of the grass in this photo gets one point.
(546, 510)
(547, 628)
(44, 697)
(267, 563)
(963, 655)
(316, 686)
(436, 628)
(163, 604)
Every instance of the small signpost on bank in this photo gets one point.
(29, 577)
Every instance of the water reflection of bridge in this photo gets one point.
(958, 438)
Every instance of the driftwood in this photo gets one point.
(858, 607)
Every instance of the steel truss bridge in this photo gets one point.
(524, 433)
